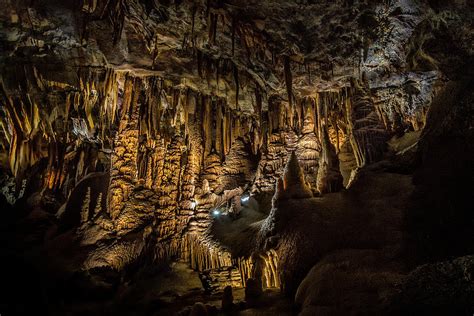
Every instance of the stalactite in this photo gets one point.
(193, 20)
(117, 16)
(288, 79)
(128, 93)
(233, 27)
(258, 102)
(213, 18)
(19, 150)
(219, 132)
(207, 125)
(298, 116)
(318, 107)
(237, 85)
(227, 130)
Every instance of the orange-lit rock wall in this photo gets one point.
(174, 154)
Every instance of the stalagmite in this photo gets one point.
(227, 299)
(85, 206)
(294, 183)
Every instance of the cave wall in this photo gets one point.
(183, 106)
(172, 155)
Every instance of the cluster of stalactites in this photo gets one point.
(202, 254)
(221, 125)
(224, 73)
(365, 129)
(166, 111)
(46, 118)
(262, 266)
(226, 69)
(306, 115)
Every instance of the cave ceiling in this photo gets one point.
(215, 46)
(248, 54)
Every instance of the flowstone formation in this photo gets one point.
(191, 149)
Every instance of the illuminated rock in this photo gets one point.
(329, 177)
(294, 183)
(153, 122)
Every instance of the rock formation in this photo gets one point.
(294, 183)
(263, 145)
(329, 177)
(227, 299)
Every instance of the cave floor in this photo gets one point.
(171, 293)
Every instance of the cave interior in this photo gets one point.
(237, 157)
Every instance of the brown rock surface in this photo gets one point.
(246, 140)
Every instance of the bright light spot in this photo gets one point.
(193, 204)
(245, 198)
(216, 213)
